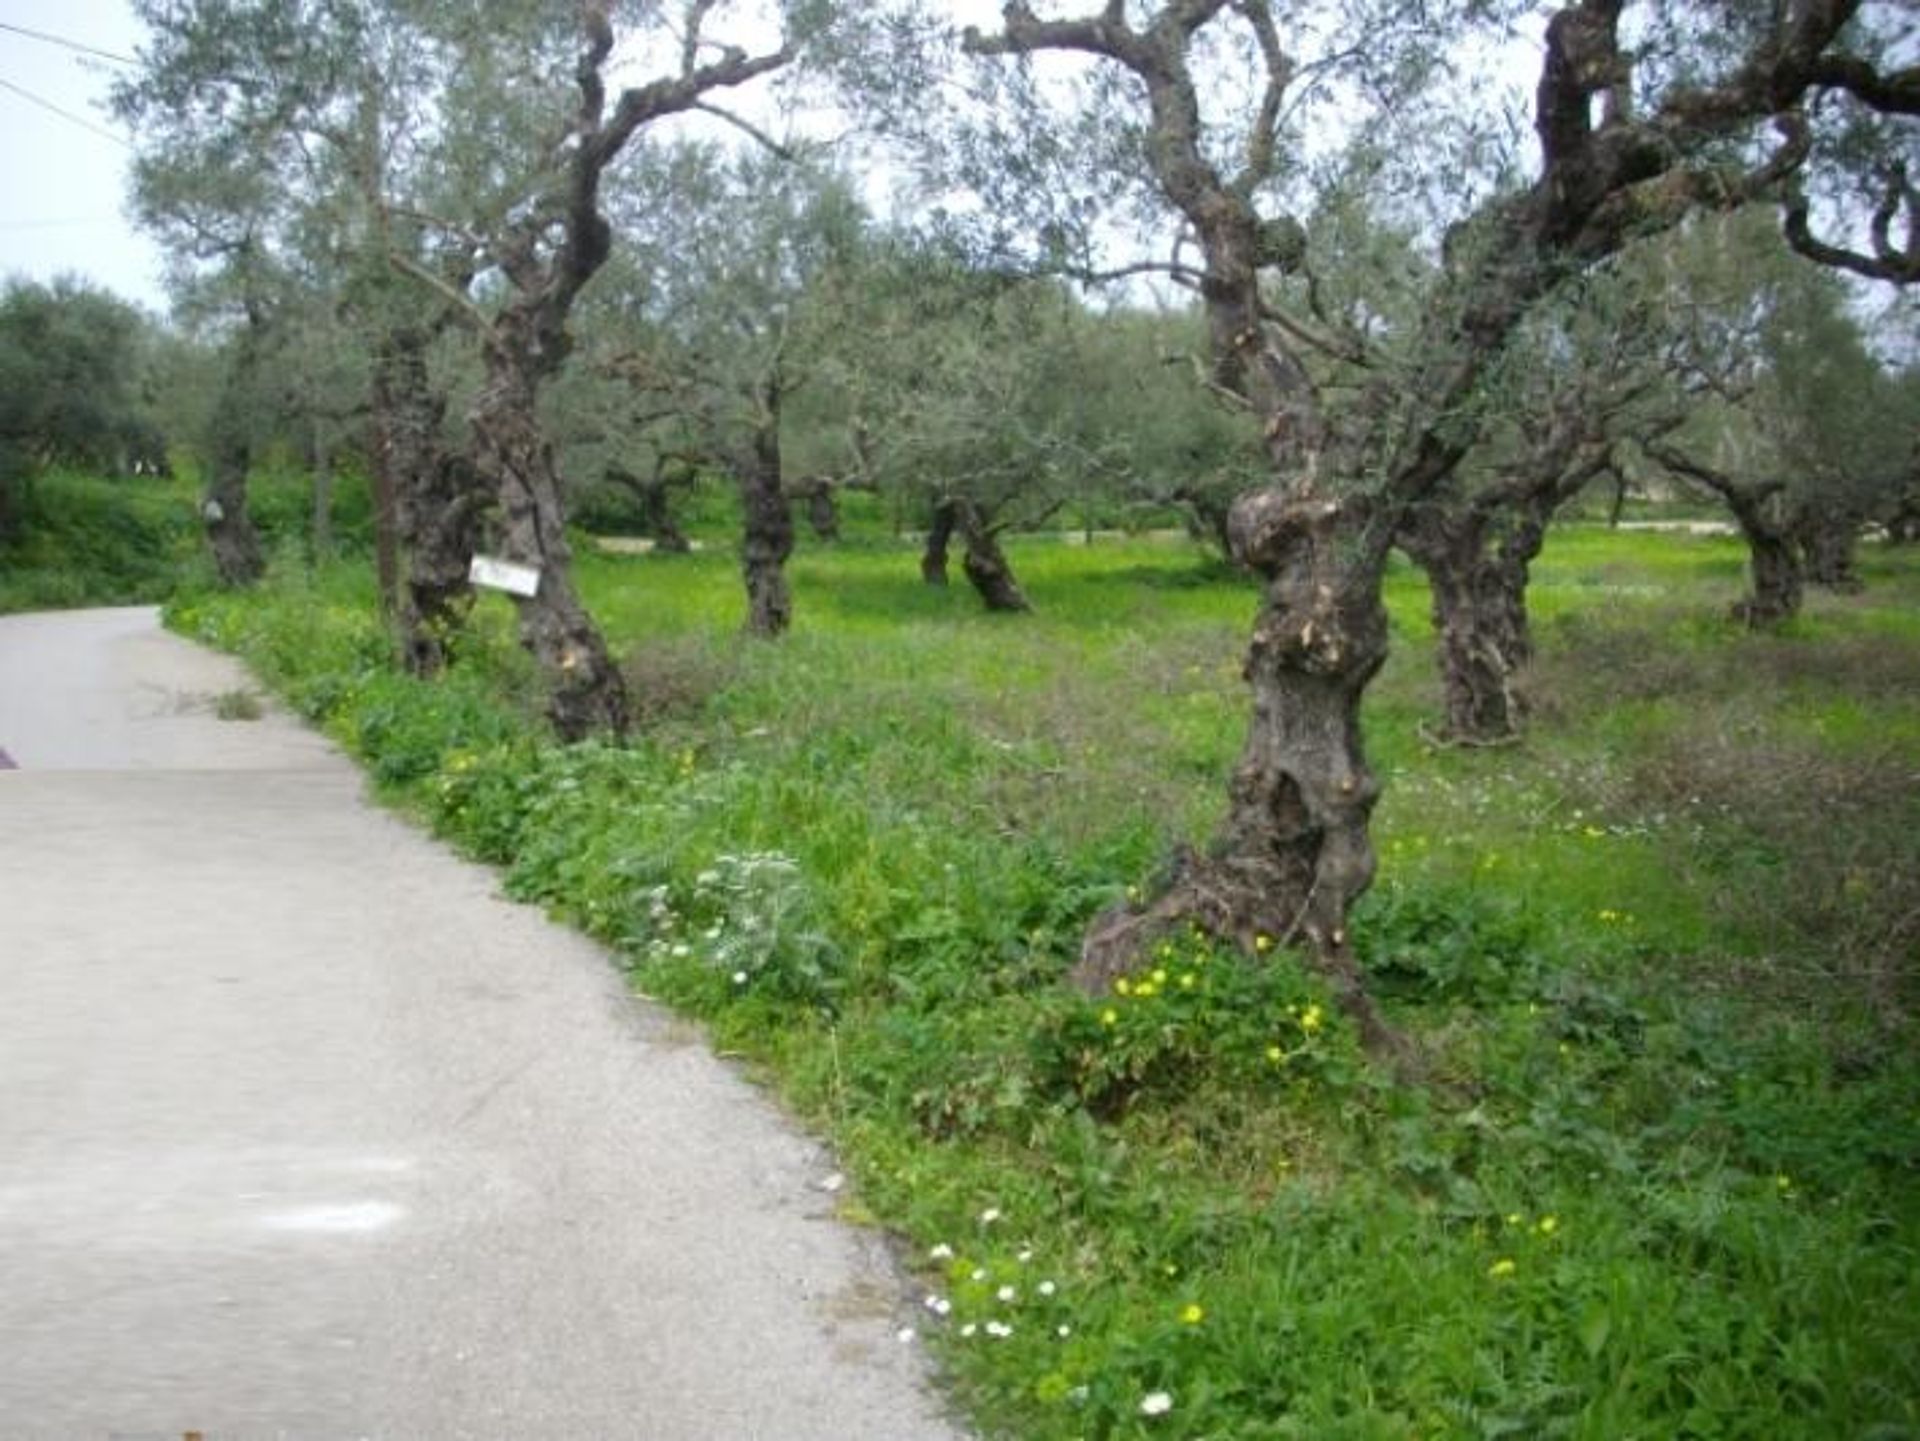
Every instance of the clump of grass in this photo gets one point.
(240, 704)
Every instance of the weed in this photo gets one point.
(237, 705)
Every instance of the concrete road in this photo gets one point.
(305, 1133)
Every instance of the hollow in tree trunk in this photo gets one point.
(585, 691)
(986, 564)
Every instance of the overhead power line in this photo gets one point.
(66, 44)
(67, 115)
(60, 224)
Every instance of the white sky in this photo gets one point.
(62, 185)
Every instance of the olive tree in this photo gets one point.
(1708, 106)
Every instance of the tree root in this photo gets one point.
(1232, 905)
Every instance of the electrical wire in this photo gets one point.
(66, 115)
(73, 45)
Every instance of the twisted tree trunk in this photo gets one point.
(1773, 555)
(223, 508)
(823, 512)
(933, 557)
(1476, 562)
(768, 538)
(1293, 854)
(1827, 549)
(1778, 582)
(585, 691)
(656, 508)
(986, 565)
(433, 500)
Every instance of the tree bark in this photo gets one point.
(656, 508)
(1293, 854)
(556, 242)
(433, 499)
(585, 691)
(986, 565)
(1772, 551)
(1478, 583)
(223, 508)
(933, 558)
(767, 540)
(1827, 547)
(823, 512)
(1778, 583)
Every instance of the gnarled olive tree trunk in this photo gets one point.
(223, 507)
(1773, 553)
(1293, 853)
(933, 554)
(435, 499)
(1828, 542)
(986, 564)
(656, 507)
(585, 691)
(1478, 584)
(767, 539)
(1779, 584)
(823, 511)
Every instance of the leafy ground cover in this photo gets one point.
(90, 541)
(1663, 955)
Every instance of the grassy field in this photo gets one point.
(1664, 954)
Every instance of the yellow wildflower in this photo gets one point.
(1146, 989)
(1547, 1225)
(1263, 944)
(1310, 1019)
(1109, 1017)
(1123, 987)
(1275, 1054)
(1187, 980)
(1192, 1314)
(1503, 1267)
(1159, 977)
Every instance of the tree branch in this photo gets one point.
(746, 127)
(1899, 264)
(459, 304)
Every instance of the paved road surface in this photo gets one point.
(304, 1133)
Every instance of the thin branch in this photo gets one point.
(1898, 264)
(460, 304)
(747, 128)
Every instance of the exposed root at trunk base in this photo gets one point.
(1232, 905)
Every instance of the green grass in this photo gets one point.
(1664, 1183)
(88, 541)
